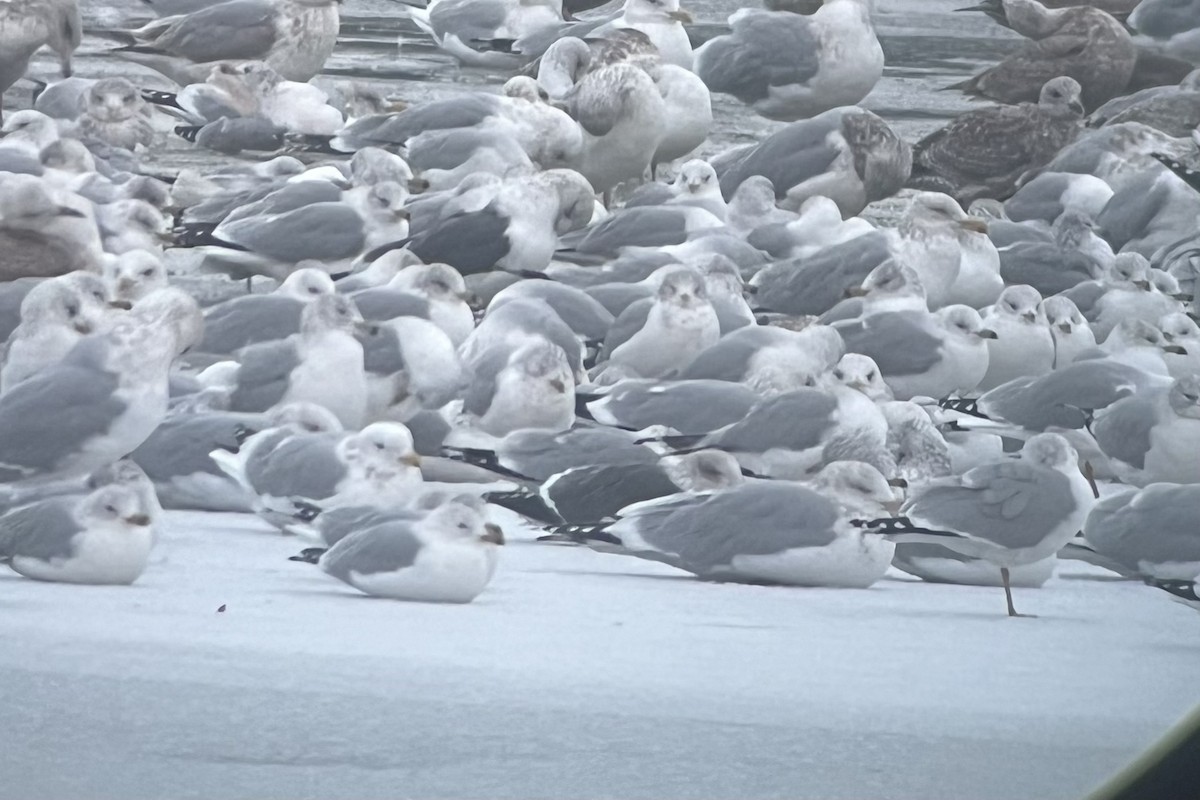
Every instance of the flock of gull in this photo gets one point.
(489, 304)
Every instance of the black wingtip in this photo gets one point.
(962, 405)
(527, 503)
(310, 555)
(585, 533)
(158, 98)
(1188, 175)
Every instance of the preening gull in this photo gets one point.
(847, 154)
(27, 26)
(983, 153)
(1009, 512)
(104, 537)
(447, 556)
(1079, 42)
(55, 316)
(788, 67)
(103, 399)
(759, 532)
(294, 37)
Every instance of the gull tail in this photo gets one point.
(372, 255)
(309, 555)
(903, 530)
(487, 459)
(525, 502)
(1188, 175)
(581, 533)
(963, 405)
(305, 511)
(494, 45)
(1184, 590)
(200, 234)
(678, 442)
(313, 143)
(169, 99)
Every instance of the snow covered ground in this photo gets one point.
(575, 675)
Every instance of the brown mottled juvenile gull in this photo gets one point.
(983, 153)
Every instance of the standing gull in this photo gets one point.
(1009, 513)
(26, 26)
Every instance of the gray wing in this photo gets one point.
(816, 284)
(335, 524)
(541, 454)
(482, 389)
(288, 197)
(47, 418)
(728, 358)
(305, 465)
(626, 326)
(468, 19)
(641, 226)
(471, 242)
(43, 530)
(381, 351)
(1012, 504)
(690, 407)
(321, 231)
(243, 321)
(1156, 525)
(765, 49)
(1045, 266)
(1065, 398)
(384, 304)
(586, 316)
(899, 342)
(180, 445)
(1123, 430)
(794, 421)
(788, 157)
(753, 519)
(462, 111)
(262, 380)
(232, 135)
(386, 547)
(590, 494)
(233, 30)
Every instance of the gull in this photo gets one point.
(1149, 532)
(294, 37)
(921, 353)
(447, 556)
(103, 399)
(1070, 330)
(847, 154)
(513, 323)
(41, 236)
(663, 336)
(1008, 513)
(1024, 344)
(1181, 330)
(132, 275)
(586, 316)
(527, 387)
(322, 364)
(769, 360)
(788, 66)
(55, 316)
(114, 113)
(759, 532)
(1152, 436)
(966, 159)
(819, 225)
(488, 33)
(688, 406)
(533, 455)
(104, 537)
(411, 364)
(252, 319)
(29, 25)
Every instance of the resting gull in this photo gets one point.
(529, 386)
(848, 154)
(1149, 532)
(689, 407)
(40, 236)
(1024, 344)
(250, 319)
(1079, 42)
(759, 532)
(983, 153)
(790, 67)
(1154, 435)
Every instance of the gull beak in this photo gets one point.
(492, 534)
(855, 291)
(124, 305)
(1175, 349)
(1065, 327)
(681, 16)
(1077, 107)
(83, 327)
(898, 483)
(418, 185)
(985, 333)
(1029, 316)
(412, 460)
(558, 386)
(140, 520)
(366, 328)
(1143, 285)
(63, 211)
(973, 224)
(402, 213)
(395, 106)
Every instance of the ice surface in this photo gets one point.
(575, 674)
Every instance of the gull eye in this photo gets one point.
(110, 509)
(837, 373)
(871, 376)
(72, 310)
(462, 526)
(147, 272)
(379, 445)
